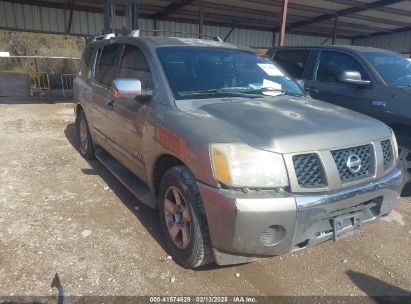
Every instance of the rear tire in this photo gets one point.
(86, 145)
(183, 220)
(404, 147)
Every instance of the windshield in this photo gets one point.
(394, 69)
(195, 72)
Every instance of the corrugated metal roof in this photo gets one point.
(54, 20)
(313, 17)
(255, 21)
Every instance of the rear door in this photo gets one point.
(293, 61)
(324, 85)
(129, 115)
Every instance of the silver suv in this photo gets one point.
(237, 158)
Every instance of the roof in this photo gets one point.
(360, 49)
(177, 41)
(357, 18)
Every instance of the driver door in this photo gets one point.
(326, 86)
(129, 115)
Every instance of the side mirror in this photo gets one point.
(353, 78)
(129, 89)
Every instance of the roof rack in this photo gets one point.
(215, 38)
(104, 37)
(136, 33)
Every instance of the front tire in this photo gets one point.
(183, 220)
(86, 145)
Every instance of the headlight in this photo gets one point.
(242, 166)
(394, 145)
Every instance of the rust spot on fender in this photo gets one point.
(172, 142)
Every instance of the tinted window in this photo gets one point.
(199, 72)
(332, 64)
(393, 68)
(86, 60)
(293, 61)
(105, 67)
(134, 65)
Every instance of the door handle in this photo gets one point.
(312, 90)
(111, 104)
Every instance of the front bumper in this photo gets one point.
(270, 223)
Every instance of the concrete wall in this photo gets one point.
(14, 84)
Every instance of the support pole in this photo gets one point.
(155, 27)
(70, 21)
(135, 16)
(283, 24)
(335, 29)
(107, 17)
(200, 18)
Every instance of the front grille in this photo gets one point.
(387, 153)
(308, 170)
(341, 159)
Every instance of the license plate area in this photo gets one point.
(346, 223)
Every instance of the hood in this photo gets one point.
(290, 125)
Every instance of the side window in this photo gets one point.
(86, 62)
(133, 64)
(105, 66)
(332, 64)
(293, 61)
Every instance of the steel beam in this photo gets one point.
(175, 6)
(345, 12)
(389, 10)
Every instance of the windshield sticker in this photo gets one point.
(272, 85)
(270, 69)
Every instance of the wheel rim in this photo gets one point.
(177, 217)
(83, 136)
(405, 155)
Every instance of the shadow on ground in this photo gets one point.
(380, 291)
(147, 216)
(35, 100)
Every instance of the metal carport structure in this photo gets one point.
(386, 23)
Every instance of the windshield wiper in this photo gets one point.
(268, 90)
(215, 92)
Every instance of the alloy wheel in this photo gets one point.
(177, 217)
(83, 136)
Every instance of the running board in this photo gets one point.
(127, 178)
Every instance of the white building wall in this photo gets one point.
(398, 42)
(294, 40)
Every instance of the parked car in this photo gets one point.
(372, 81)
(237, 158)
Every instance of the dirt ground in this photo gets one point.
(62, 214)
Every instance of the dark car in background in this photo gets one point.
(372, 81)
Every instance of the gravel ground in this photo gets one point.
(62, 214)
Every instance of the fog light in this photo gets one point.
(272, 235)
